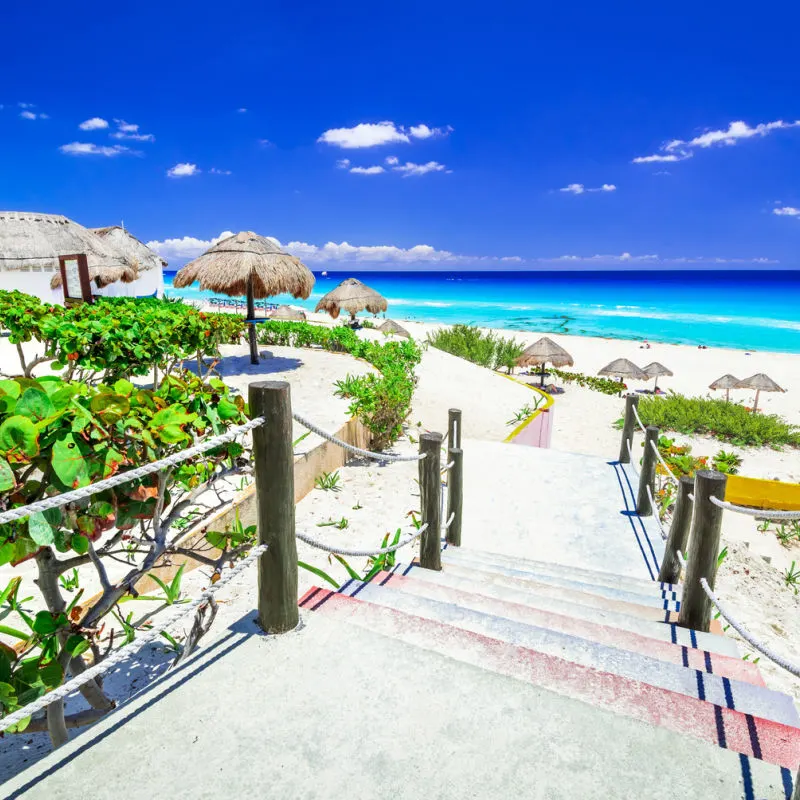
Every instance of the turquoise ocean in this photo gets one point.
(750, 310)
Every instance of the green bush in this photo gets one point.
(602, 385)
(472, 344)
(718, 418)
(382, 402)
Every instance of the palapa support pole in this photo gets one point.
(273, 460)
(647, 473)
(454, 428)
(703, 552)
(631, 401)
(430, 486)
(678, 532)
(455, 495)
(251, 315)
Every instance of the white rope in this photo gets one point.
(124, 652)
(746, 635)
(690, 496)
(681, 558)
(663, 463)
(638, 419)
(448, 466)
(307, 423)
(449, 521)
(656, 513)
(630, 455)
(755, 512)
(59, 500)
(310, 540)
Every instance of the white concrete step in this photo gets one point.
(334, 710)
(745, 697)
(576, 605)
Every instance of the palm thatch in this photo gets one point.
(247, 262)
(657, 370)
(390, 326)
(761, 383)
(135, 252)
(726, 382)
(288, 313)
(545, 351)
(622, 368)
(352, 296)
(33, 241)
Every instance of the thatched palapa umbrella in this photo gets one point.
(622, 368)
(545, 351)
(30, 240)
(288, 313)
(761, 383)
(656, 370)
(352, 296)
(726, 382)
(390, 326)
(247, 263)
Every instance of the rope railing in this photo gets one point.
(746, 635)
(59, 500)
(663, 463)
(681, 558)
(630, 454)
(307, 423)
(656, 513)
(341, 551)
(450, 520)
(448, 466)
(638, 419)
(755, 512)
(96, 670)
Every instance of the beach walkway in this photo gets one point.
(543, 661)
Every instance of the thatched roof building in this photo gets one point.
(135, 252)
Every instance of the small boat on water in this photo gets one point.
(324, 274)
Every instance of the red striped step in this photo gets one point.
(742, 733)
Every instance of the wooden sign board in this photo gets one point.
(75, 279)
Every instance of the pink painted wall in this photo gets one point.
(538, 432)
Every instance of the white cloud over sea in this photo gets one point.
(374, 134)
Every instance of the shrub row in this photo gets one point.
(472, 344)
(602, 385)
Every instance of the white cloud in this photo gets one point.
(424, 132)
(343, 163)
(392, 160)
(365, 134)
(786, 211)
(129, 130)
(377, 170)
(27, 105)
(32, 115)
(215, 171)
(579, 188)
(187, 247)
(91, 149)
(265, 143)
(241, 110)
(183, 170)
(127, 127)
(680, 149)
(93, 124)
(409, 168)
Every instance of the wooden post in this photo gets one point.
(251, 314)
(678, 532)
(273, 460)
(631, 401)
(430, 488)
(647, 473)
(455, 494)
(796, 795)
(696, 608)
(454, 428)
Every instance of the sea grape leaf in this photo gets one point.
(109, 407)
(39, 529)
(11, 388)
(51, 674)
(226, 409)
(123, 387)
(19, 439)
(69, 461)
(35, 404)
(47, 622)
(6, 476)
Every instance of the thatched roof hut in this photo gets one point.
(247, 263)
(134, 251)
(657, 370)
(545, 351)
(32, 242)
(761, 383)
(390, 326)
(726, 382)
(352, 296)
(288, 313)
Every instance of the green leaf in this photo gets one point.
(80, 544)
(123, 387)
(226, 409)
(51, 674)
(19, 440)
(319, 572)
(15, 632)
(39, 529)
(69, 461)
(350, 571)
(109, 407)
(11, 388)
(35, 404)
(47, 623)
(7, 480)
(75, 644)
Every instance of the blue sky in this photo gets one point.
(489, 131)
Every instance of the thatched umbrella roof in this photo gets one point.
(390, 326)
(761, 383)
(657, 370)
(37, 240)
(725, 382)
(247, 259)
(622, 368)
(135, 252)
(545, 351)
(352, 296)
(289, 313)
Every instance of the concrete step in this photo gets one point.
(721, 691)
(661, 649)
(533, 567)
(723, 727)
(331, 707)
(651, 595)
(580, 607)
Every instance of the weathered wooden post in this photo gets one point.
(631, 402)
(430, 489)
(455, 495)
(454, 427)
(273, 461)
(695, 610)
(251, 328)
(647, 473)
(678, 532)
